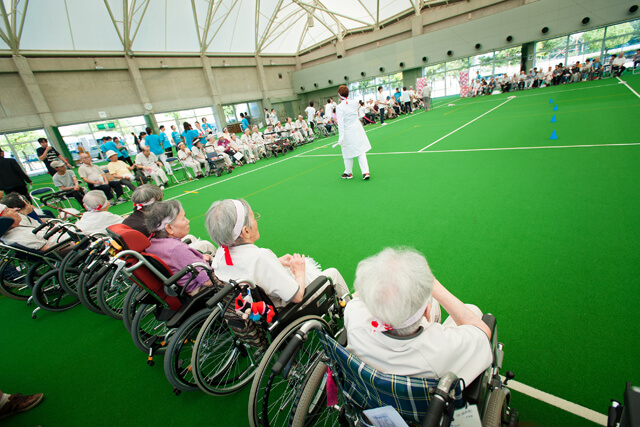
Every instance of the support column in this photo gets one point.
(141, 91)
(262, 80)
(525, 62)
(416, 26)
(35, 93)
(212, 84)
(150, 120)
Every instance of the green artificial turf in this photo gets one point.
(545, 239)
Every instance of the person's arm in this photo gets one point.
(65, 161)
(456, 309)
(18, 170)
(44, 153)
(297, 266)
(76, 186)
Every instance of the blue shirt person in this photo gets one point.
(164, 138)
(245, 122)
(189, 134)
(175, 135)
(153, 142)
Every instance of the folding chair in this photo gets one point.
(177, 165)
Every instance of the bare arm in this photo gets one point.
(297, 266)
(457, 310)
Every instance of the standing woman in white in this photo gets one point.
(352, 139)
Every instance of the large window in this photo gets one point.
(368, 89)
(22, 146)
(232, 112)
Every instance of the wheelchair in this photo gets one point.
(419, 401)
(217, 164)
(32, 275)
(165, 319)
(231, 351)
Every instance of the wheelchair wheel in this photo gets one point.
(111, 292)
(13, 279)
(88, 294)
(177, 359)
(36, 271)
(70, 273)
(147, 331)
(130, 306)
(271, 397)
(221, 363)
(497, 409)
(50, 296)
(310, 406)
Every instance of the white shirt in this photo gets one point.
(435, 350)
(97, 222)
(353, 139)
(262, 267)
(246, 139)
(328, 110)
(619, 61)
(147, 162)
(382, 99)
(412, 94)
(195, 152)
(311, 112)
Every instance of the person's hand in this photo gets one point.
(76, 187)
(297, 265)
(207, 257)
(285, 260)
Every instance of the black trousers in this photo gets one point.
(126, 160)
(20, 190)
(381, 115)
(106, 189)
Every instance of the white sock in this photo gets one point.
(4, 398)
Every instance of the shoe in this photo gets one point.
(121, 200)
(383, 124)
(114, 202)
(365, 176)
(19, 403)
(162, 187)
(347, 176)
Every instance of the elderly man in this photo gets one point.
(96, 179)
(152, 166)
(617, 67)
(248, 144)
(47, 154)
(394, 323)
(66, 180)
(120, 171)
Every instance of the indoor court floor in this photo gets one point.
(541, 232)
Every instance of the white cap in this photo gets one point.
(110, 153)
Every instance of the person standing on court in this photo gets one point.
(12, 177)
(47, 154)
(426, 96)
(381, 100)
(154, 142)
(352, 139)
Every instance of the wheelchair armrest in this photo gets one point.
(491, 322)
(313, 288)
(474, 392)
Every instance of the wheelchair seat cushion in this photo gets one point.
(368, 388)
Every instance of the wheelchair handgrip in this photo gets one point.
(173, 279)
(437, 408)
(51, 232)
(40, 227)
(97, 276)
(80, 255)
(219, 296)
(289, 351)
(81, 243)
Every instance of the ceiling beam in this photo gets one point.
(144, 11)
(13, 30)
(319, 18)
(257, 25)
(115, 23)
(211, 13)
(208, 43)
(367, 10)
(285, 28)
(264, 36)
(322, 8)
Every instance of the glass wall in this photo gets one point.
(177, 118)
(22, 146)
(601, 42)
(368, 88)
(232, 112)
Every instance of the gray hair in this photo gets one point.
(146, 192)
(394, 285)
(221, 218)
(159, 215)
(93, 199)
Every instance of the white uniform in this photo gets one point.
(433, 351)
(97, 222)
(353, 138)
(151, 168)
(187, 160)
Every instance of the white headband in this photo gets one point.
(240, 214)
(2, 208)
(413, 319)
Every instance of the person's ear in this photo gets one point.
(427, 313)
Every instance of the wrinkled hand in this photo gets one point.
(285, 260)
(297, 265)
(76, 187)
(207, 257)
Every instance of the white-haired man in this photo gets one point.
(96, 219)
(394, 323)
(152, 166)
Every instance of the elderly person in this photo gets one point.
(152, 166)
(21, 204)
(120, 170)
(233, 226)
(199, 155)
(168, 223)
(66, 180)
(186, 157)
(21, 232)
(249, 145)
(295, 131)
(96, 179)
(394, 324)
(96, 219)
(239, 147)
(212, 147)
(225, 146)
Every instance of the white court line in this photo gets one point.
(628, 87)
(483, 149)
(468, 123)
(558, 402)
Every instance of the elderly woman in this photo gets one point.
(394, 324)
(21, 204)
(186, 157)
(96, 219)
(21, 232)
(248, 144)
(229, 149)
(169, 225)
(200, 156)
(233, 226)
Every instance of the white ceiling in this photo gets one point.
(278, 27)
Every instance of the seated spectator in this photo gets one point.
(394, 326)
(96, 179)
(233, 226)
(301, 126)
(586, 72)
(152, 166)
(483, 87)
(618, 65)
(66, 180)
(249, 146)
(522, 77)
(185, 156)
(21, 204)
(491, 86)
(200, 155)
(212, 147)
(596, 67)
(227, 147)
(120, 171)
(21, 232)
(557, 75)
(575, 72)
(295, 133)
(548, 77)
(539, 77)
(636, 58)
(236, 144)
(168, 223)
(566, 74)
(97, 219)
